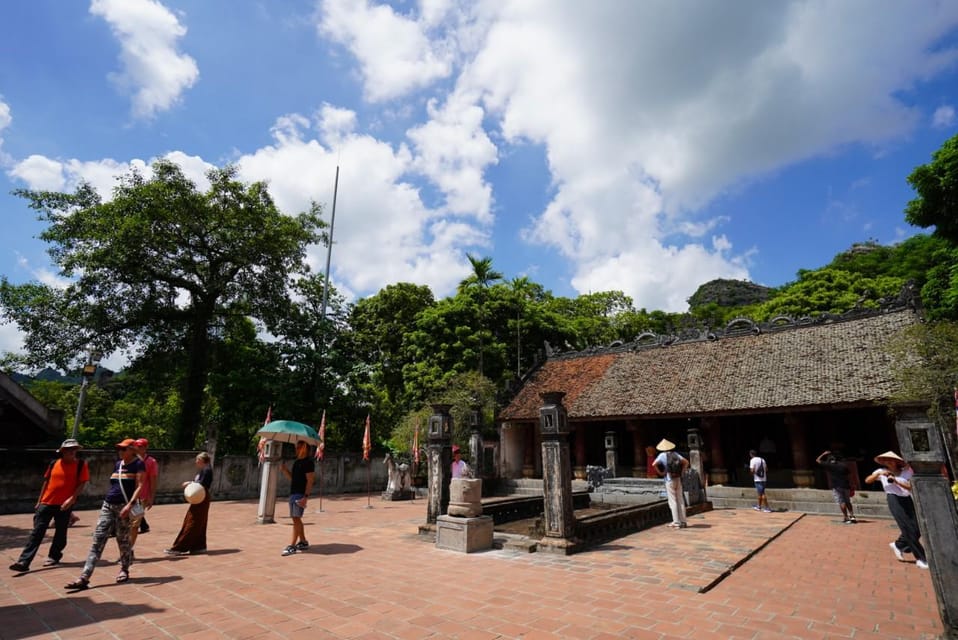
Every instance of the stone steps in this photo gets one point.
(865, 503)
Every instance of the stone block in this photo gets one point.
(464, 534)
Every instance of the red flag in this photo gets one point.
(367, 443)
(415, 444)
(321, 448)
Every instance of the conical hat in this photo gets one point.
(665, 445)
(888, 455)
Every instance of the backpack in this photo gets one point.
(759, 471)
(673, 464)
(80, 466)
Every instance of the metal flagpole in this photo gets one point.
(329, 250)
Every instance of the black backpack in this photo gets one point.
(760, 470)
(674, 464)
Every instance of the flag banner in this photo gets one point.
(415, 444)
(321, 447)
(261, 446)
(367, 443)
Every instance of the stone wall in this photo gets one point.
(234, 477)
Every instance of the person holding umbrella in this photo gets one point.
(300, 484)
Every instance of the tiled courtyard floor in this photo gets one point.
(369, 575)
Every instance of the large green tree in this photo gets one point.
(936, 184)
(158, 266)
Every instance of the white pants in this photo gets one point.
(673, 489)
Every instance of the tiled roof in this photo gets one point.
(837, 363)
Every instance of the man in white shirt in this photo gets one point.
(671, 466)
(459, 467)
(759, 469)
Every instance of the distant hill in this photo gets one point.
(729, 293)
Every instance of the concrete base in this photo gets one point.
(405, 494)
(560, 546)
(464, 534)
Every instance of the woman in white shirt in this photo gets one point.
(895, 477)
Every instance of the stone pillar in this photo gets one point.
(802, 475)
(692, 479)
(440, 459)
(639, 470)
(718, 472)
(558, 516)
(475, 441)
(611, 453)
(528, 458)
(267, 487)
(922, 446)
(579, 469)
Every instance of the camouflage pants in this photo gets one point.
(109, 519)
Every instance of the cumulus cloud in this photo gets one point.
(5, 120)
(154, 71)
(394, 51)
(944, 117)
(384, 232)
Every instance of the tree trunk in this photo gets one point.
(194, 384)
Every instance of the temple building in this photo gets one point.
(24, 421)
(789, 389)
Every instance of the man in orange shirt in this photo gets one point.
(62, 484)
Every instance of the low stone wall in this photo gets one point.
(234, 477)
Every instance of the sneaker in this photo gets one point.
(852, 520)
(50, 562)
(897, 552)
(766, 510)
(921, 564)
(302, 545)
(19, 566)
(290, 550)
(757, 508)
(848, 522)
(174, 552)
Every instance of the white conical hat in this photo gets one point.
(665, 445)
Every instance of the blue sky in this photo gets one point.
(643, 146)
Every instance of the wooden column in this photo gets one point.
(802, 475)
(579, 470)
(638, 450)
(528, 457)
(718, 472)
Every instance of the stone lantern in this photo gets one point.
(922, 447)
(611, 453)
(439, 434)
(558, 515)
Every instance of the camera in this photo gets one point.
(891, 479)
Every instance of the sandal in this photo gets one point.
(77, 585)
(122, 577)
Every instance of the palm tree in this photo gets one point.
(481, 278)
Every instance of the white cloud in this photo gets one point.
(5, 120)
(944, 117)
(154, 71)
(383, 232)
(394, 52)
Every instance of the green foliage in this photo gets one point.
(159, 266)
(936, 184)
(829, 290)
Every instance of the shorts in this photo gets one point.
(841, 496)
(296, 511)
(760, 488)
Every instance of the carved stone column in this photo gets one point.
(718, 472)
(580, 455)
(440, 459)
(611, 453)
(802, 475)
(639, 469)
(475, 440)
(267, 487)
(921, 444)
(558, 516)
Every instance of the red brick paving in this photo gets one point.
(731, 574)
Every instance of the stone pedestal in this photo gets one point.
(402, 494)
(465, 497)
(718, 476)
(465, 535)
